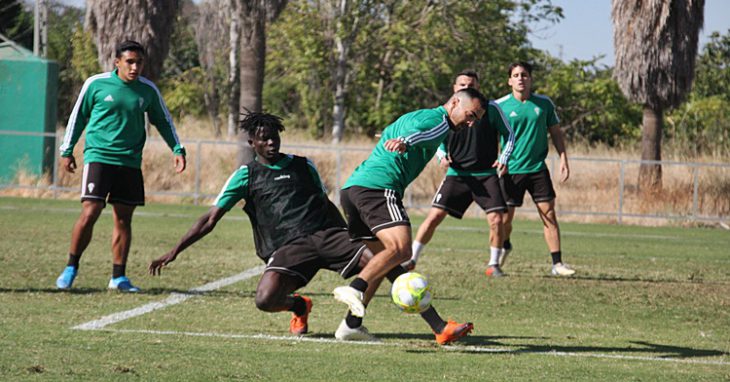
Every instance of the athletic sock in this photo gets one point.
(73, 260)
(118, 270)
(352, 321)
(494, 253)
(416, 248)
(507, 245)
(359, 284)
(433, 319)
(395, 272)
(299, 307)
(557, 257)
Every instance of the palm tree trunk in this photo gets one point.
(252, 60)
(650, 174)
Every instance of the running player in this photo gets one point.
(372, 196)
(112, 108)
(533, 117)
(471, 156)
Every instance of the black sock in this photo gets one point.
(359, 284)
(395, 272)
(433, 319)
(352, 321)
(557, 257)
(73, 260)
(119, 270)
(299, 307)
(507, 245)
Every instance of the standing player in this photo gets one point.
(471, 158)
(372, 196)
(297, 230)
(112, 108)
(532, 117)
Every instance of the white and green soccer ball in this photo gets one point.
(411, 292)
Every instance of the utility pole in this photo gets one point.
(40, 28)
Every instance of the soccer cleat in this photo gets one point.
(352, 297)
(453, 331)
(66, 279)
(560, 269)
(122, 284)
(298, 324)
(503, 256)
(494, 271)
(346, 333)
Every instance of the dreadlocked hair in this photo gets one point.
(252, 121)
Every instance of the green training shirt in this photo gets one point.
(112, 111)
(236, 187)
(422, 131)
(530, 121)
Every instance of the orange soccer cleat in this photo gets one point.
(298, 324)
(453, 331)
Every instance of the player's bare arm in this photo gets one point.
(557, 136)
(69, 164)
(203, 226)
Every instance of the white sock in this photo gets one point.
(494, 255)
(416, 249)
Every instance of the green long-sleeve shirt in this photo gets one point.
(112, 112)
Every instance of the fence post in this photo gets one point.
(54, 172)
(695, 192)
(620, 192)
(198, 160)
(338, 170)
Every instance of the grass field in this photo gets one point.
(648, 304)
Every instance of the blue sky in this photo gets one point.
(586, 30)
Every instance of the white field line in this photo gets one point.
(454, 348)
(174, 299)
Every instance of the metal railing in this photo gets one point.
(599, 187)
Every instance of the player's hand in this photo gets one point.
(180, 163)
(445, 162)
(69, 164)
(564, 171)
(155, 268)
(395, 144)
(501, 168)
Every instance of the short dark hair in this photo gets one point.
(467, 72)
(523, 64)
(252, 121)
(472, 93)
(128, 45)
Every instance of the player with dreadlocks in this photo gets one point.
(297, 230)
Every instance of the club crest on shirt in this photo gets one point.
(282, 177)
(537, 110)
(141, 101)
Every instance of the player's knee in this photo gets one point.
(266, 301)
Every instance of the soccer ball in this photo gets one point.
(411, 292)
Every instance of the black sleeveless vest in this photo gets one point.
(475, 148)
(286, 204)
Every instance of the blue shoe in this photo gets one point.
(66, 279)
(122, 284)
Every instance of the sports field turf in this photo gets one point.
(647, 304)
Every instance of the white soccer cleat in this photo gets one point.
(346, 333)
(561, 269)
(503, 256)
(353, 298)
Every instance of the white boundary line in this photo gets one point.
(452, 348)
(174, 299)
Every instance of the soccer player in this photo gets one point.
(297, 230)
(471, 156)
(112, 107)
(372, 196)
(533, 117)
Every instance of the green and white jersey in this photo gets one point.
(530, 121)
(422, 131)
(112, 111)
(236, 187)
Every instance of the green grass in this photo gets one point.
(648, 304)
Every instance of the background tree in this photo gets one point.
(16, 23)
(148, 22)
(655, 42)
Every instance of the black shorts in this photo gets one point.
(330, 249)
(123, 185)
(370, 210)
(538, 184)
(457, 192)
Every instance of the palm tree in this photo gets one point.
(148, 22)
(655, 42)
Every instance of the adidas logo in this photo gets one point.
(513, 114)
(109, 98)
